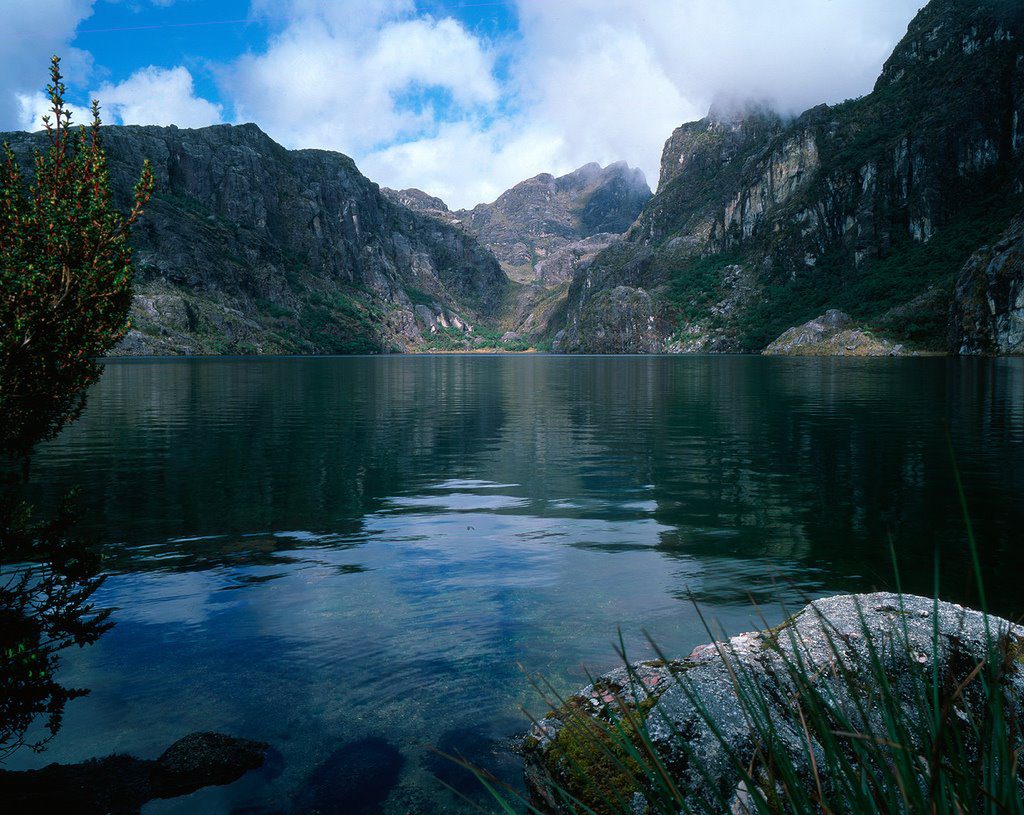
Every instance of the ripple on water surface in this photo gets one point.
(348, 558)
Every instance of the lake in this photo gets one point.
(357, 554)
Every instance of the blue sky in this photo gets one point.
(462, 99)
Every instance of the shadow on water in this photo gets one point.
(354, 780)
(480, 749)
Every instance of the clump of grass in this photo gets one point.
(853, 733)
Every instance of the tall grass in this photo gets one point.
(880, 726)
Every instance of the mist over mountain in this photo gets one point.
(762, 222)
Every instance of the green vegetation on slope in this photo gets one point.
(879, 291)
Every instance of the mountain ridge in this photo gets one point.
(760, 223)
(247, 247)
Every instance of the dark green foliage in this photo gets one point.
(341, 323)
(483, 339)
(419, 298)
(694, 283)
(446, 339)
(65, 291)
(65, 277)
(44, 607)
(875, 292)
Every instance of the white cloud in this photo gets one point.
(327, 82)
(615, 78)
(32, 107)
(418, 99)
(469, 161)
(157, 96)
(32, 31)
(588, 80)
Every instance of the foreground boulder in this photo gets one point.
(829, 637)
(834, 333)
(122, 784)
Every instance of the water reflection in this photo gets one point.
(321, 552)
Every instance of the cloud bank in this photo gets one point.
(420, 98)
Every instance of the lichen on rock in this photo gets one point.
(693, 718)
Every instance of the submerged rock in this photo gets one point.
(202, 760)
(122, 784)
(354, 780)
(832, 334)
(665, 695)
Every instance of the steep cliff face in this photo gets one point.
(987, 313)
(251, 248)
(871, 206)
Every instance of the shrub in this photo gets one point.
(65, 292)
(65, 276)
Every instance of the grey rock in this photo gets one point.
(541, 215)
(123, 784)
(623, 320)
(355, 779)
(421, 202)
(832, 334)
(987, 310)
(899, 627)
(560, 265)
(201, 759)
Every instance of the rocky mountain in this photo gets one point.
(250, 248)
(544, 231)
(872, 206)
(530, 222)
(833, 334)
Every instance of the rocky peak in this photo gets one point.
(716, 139)
(416, 200)
(952, 28)
(422, 203)
(544, 213)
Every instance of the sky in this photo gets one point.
(461, 98)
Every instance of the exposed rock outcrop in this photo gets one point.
(535, 218)
(863, 206)
(832, 334)
(667, 695)
(250, 248)
(421, 202)
(987, 313)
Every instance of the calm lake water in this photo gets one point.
(354, 554)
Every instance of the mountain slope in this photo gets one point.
(250, 248)
(544, 231)
(536, 217)
(871, 206)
